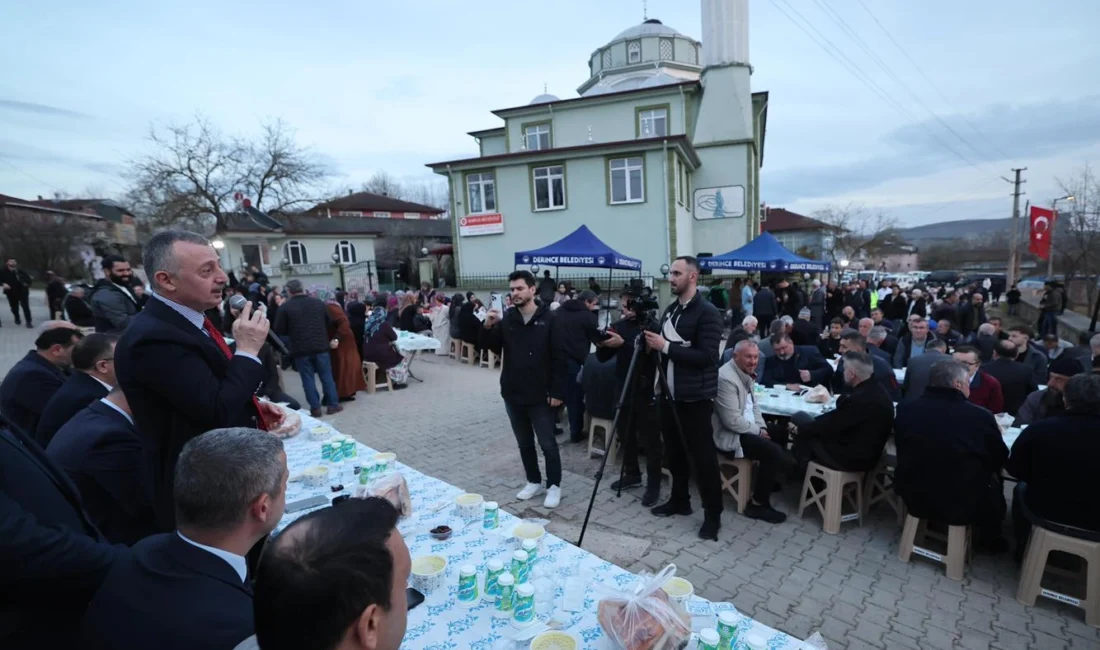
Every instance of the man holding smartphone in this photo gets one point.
(532, 382)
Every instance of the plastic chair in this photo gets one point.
(830, 499)
(739, 482)
(370, 373)
(958, 545)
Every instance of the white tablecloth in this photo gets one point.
(440, 623)
(409, 342)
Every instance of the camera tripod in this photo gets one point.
(666, 399)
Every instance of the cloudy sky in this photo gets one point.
(371, 85)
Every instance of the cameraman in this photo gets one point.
(691, 332)
(640, 416)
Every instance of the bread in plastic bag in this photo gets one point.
(290, 426)
(644, 618)
(817, 395)
(393, 488)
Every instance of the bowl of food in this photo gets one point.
(428, 572)
(315, 476)
(555, 640)
(441, 532)
(679, 590)
(469, 506)
(527, 530)
(320, 434)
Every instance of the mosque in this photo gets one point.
(658, 156)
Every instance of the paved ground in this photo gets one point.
(792, 576)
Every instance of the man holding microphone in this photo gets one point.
(691, 332)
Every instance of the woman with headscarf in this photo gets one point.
(407, 315)
(392, 314)
(441, 325)
(378, 347)
(469, 325)
(357, 319)
(457, 301)
(347, 369)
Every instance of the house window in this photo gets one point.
(412, 215)
(549, 187)
(482, 192)
(294, 252)
(685, 184)
(653, 122)
(666, 49)
(349, 213)
(626, 180)
(634, 52)
(679, 182)
(605, 59)
(381, 215)
(346, 250)
(536, 136)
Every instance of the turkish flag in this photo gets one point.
(1042, 227)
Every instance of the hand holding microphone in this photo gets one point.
(252, 329)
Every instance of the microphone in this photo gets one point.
(238, 302)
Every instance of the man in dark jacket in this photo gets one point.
(691, 332)
(1057, 458)
(55, 294)
(853, 342)
(830, 345)
(852, 436)
(1017, 381)
(916, 375)
(804, 331)
(1048, 402)
(576, 330)
(77, 309)
(945, 332)
(17, 287)
(912, 344)
(35, 378)
(532, 382)
(950, 455)
(765, 307)
(1026, 354)
(305, 321)
(113, 302)
(791, 365)
(93, 376)
(971, 314)
(547, 288)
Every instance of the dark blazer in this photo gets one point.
(883, 374)
(764, 304)
(880, 353)
(916, 373)
(890, 344)
(949, 452)
(179, 385)
(100, 451)
(52, 558)
(806, 357)
(805, 333)
(1017, 382)
(78, 391)
(1037, 362)
(855, 433)
(26, 390)
(169, 595)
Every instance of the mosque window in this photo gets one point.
(652, 122)
(634, 52)
(666, 49)
(605, 60)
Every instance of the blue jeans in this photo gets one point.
(317, 364)
(574, 401)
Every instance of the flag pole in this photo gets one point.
(1050, 245)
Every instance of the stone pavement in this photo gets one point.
(792, 576)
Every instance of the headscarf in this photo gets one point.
(392, 302)
(374, 321)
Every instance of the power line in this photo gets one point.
(931, 83)
(28, 174)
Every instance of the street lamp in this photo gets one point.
(534, 269)
(424, 251)
(1050, 234)
(336, 261)
(665, 269)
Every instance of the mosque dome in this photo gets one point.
(651, 27)
(544, 98)
(643, 56)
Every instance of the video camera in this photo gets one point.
(645, 308)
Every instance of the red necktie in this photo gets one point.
(219, 340)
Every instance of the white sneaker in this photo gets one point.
(530, 490)
(553, 497)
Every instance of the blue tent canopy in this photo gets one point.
(764, 253)
(579, 248)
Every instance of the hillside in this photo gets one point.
(973, 229)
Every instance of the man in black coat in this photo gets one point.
(1017, 380)
(852, 436)
(576, 330)
(804, 331)
(765, 307)
(854, 342)
(950, 455)
(17, 287)
(34, 379)
(93, 376)
(189, 588)
(55, 294)
(178, 373)
(794, 365)
(971, 314)
(52, 557)
(305, 321)
(920, 368)
(100, 451)
(914, 341)
(547, 288)
(532, 382)
(691, 331)
(113, 302)
(77, 309)
(1026, 354)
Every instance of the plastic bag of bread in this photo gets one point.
(817, 395)
(644, 618)
(393, 488)
(290, 426)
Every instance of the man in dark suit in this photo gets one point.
(852, 341)
(99, 450)
(875, 344)
(77, 309)
(971, 314)
(852, 436)
(52, 557)
(916, 375)
(189, 588)
(178, 374)
(950, 455)
(791, 365)
(93, 377)
(1016, 379)
(34, 379)
(765, 307)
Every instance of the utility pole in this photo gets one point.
(1013, 256)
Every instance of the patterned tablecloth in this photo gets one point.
(409, 342)
(441, 623)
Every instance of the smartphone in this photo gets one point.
(496, 303)
(413, 597)
(306, 504)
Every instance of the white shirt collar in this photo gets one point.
(101, 382)
(236, 561)
(116, 407)
(196, 318)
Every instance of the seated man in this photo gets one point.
(740, 432)
(187, 589)
(93, 376)
(945, 332)
(878, 317)
(100, 451)
(852, 341)
(912, 345)
(1016, 379)
(985, 340)
(335, 579)
(950, 455)
(852, 436)
(985, 390)
(804, 332)
(1057, 459)
(34, 379)
(829, 346)
(1026, 354)
(1050, 402)
(875, 340)
(793, 366)
(916, 374)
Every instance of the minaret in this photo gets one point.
(725, 112)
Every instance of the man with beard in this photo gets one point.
(971, 314)
(793, 366)
(1046, 403)
(113, 302)
(17, 287)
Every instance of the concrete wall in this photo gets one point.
(493, 145)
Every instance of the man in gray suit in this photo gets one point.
(916, 374)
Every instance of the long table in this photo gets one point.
(441, 622)
(410, 344)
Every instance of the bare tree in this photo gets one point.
(857, 232)
(384, 183)
(47, 242)
(1077, 233)
(194, 171)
